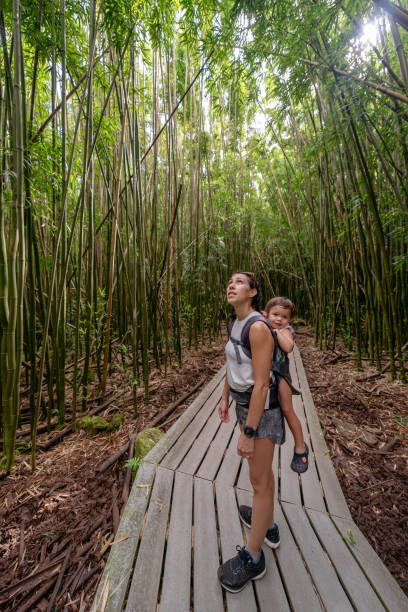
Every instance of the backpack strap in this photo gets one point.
(243, 341)
(230, 324)
(245, 333)
(236, 343)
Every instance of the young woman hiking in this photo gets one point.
(248, 382)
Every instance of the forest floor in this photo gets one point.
(57, 524)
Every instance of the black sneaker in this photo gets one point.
(300, 461)
(272, 538)
(236, 572)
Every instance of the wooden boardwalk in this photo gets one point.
(182, 520)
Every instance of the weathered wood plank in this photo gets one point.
(177, 453)
(384, 583)
(311, 487)
(231, 535)
(243, 479)
(332, 491)
(289, 486)
(275, 469)
(163, 446)
(201, 445)
(146, 577)
(175, 591)
(118, 569)
(353, 579)
(270, 592)
(213, 458)
(231, 462)
(328, 585)
(299, 585)
(207, 589)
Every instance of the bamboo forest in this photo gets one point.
(149, 150)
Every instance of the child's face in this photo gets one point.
(279, 317)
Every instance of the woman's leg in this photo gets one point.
(263, 483)
(285, 397)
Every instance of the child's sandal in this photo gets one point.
(300, 461)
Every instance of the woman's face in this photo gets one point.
(239, 290)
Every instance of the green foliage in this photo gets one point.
(351, 537)
(286, 167)
(134, 464)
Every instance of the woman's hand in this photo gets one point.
(223, 410)
(245, 447)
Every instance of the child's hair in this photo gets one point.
(257, 299)
(280, 301)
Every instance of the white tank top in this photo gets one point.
(240, 376)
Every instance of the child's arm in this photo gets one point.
(285, 340)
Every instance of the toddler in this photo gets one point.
(278, 312)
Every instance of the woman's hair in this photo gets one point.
(284, 302)
(257, 299)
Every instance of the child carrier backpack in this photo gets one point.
(243, 344)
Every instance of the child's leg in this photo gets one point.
(285, 396)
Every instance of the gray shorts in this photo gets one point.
(271, 425)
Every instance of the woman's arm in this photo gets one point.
(285, 340)
(223, 408)
(261, 342)
(261, 348)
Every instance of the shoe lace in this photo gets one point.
(243, 555)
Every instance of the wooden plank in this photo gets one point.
(299, 585)
(196, 453)
(384, 583)
(146, 577)
(334, 497)
(243, 479)
(118, 568)
(167, 441)
(328, 585)
(311, 487)
(270, 591)
(175, 591)
(177, 453)
(310, 483)
(276, 468)
(353, 579)
(231, 535)
(289, 485)
(230, 465)
(207, 589)
(293, 371)
(216, 450)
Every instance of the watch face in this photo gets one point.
(249, 431)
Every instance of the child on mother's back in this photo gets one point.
(278, 312)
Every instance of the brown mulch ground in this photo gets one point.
(365, 423)
(60, 520)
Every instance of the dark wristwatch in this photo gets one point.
(249, 431)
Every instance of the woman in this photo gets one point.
(248, 383)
